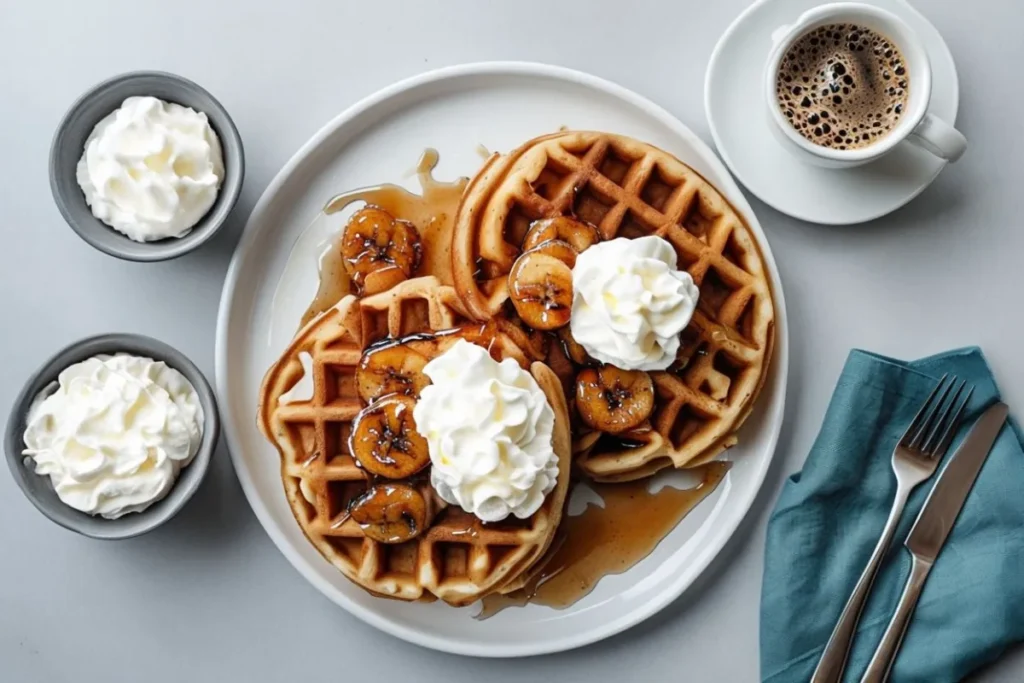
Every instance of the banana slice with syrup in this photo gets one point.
(385, 441)
(613, 400)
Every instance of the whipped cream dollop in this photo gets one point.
(113, 432)
(630, 302)
(489, 430)
(151, 169)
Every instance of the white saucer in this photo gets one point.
(734, 102)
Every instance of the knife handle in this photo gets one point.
(882, 661)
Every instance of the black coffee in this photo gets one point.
(843, 86)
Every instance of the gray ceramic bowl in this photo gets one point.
(38, 488)
(77, 125)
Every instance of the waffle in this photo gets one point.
(627, 188)
(458, 559)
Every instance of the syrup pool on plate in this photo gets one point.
(432, 212)
(607, 540)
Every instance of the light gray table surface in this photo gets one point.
(208, 597)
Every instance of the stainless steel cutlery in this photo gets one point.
(932, 527)
(914, 460)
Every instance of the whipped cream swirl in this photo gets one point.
(489, 430)
(151, 169)
(630, 302)
(114, 432)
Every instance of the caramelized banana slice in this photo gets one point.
(390, 513)
(613, 400)
(375, 243)
(385, 441)
(541, 290)
(391, 369)
(577, 234)
(561, 250)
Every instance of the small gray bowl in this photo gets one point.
(69, 144)
(38, 488)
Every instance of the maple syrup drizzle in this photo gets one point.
(608, 540)
(432, 212)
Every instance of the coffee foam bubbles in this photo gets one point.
(843, 86)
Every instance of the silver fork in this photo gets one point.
(914, 459)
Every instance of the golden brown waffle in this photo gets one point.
(629, 189)
(458, 559)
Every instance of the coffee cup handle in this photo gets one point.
(939, 138)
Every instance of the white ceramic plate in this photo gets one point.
(273, 276)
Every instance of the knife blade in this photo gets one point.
(932, 527)
(950, 492)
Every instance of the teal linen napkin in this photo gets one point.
(830, 515)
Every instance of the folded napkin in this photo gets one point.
(830, 516)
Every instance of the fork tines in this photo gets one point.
(935, 424)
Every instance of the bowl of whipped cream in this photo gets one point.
(112, 435)
(146, 166)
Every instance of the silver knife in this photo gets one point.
(933, 525)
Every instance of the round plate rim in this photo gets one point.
(247, 243)
(713, 62)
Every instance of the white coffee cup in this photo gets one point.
(917, 125)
